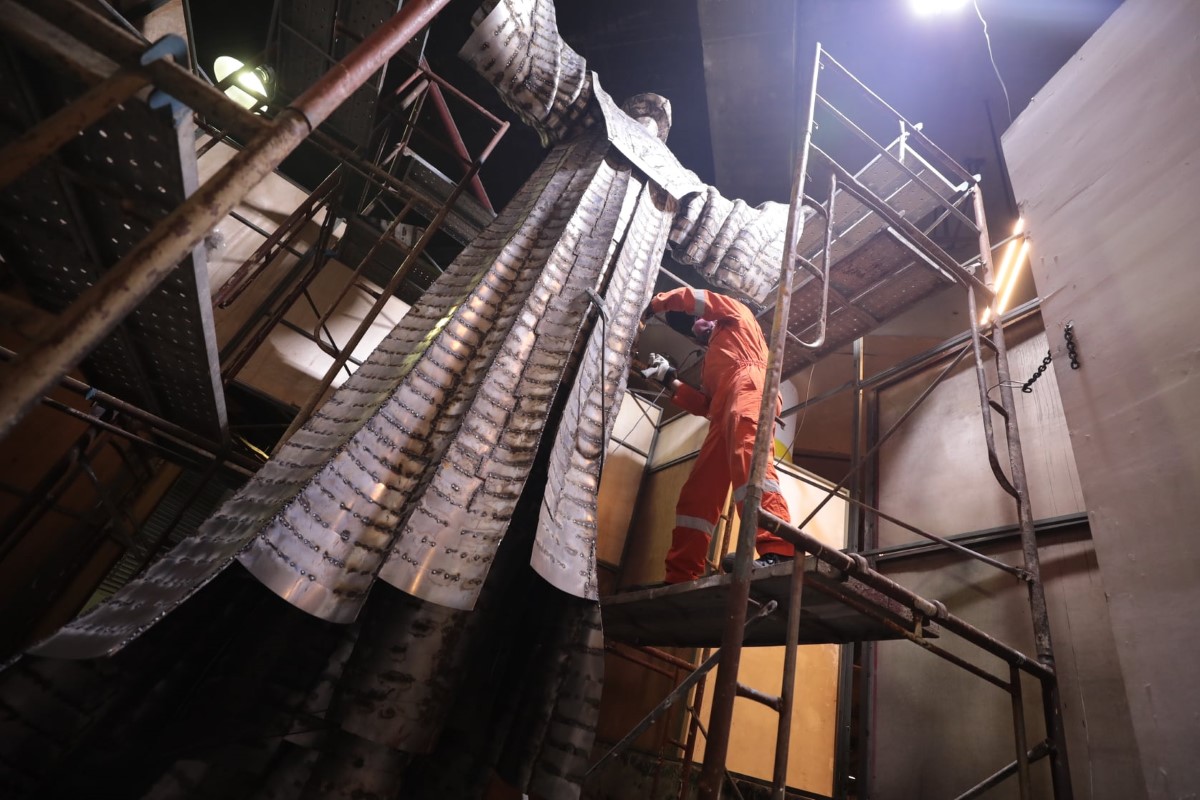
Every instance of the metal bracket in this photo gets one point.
(174, 46)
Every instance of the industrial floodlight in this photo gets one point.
(255, 80)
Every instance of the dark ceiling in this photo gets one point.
(737, 72)
(727, 67)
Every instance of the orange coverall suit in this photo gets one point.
(732, 385)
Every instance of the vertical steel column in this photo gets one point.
(1052, 707)
(787, 692)
(725, 689)
(1018, 711)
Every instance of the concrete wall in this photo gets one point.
(935, 475)
(1105, 163)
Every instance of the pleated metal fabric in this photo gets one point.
(466, 449)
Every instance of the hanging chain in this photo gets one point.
(1028, 387)
(1069, 335)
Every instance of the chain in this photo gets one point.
(1028, 387)
(1069, 335)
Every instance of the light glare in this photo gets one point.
(927, 8)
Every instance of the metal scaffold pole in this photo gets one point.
(725, 687)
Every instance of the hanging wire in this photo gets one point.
(787, 452)
(992, 57)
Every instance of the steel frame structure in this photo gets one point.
(110, 60)
(854, 564)
(1041, 668)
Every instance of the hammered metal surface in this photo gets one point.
(444, 550)
(644, 149)
(517, 49)
(68, 220)
(565, 546)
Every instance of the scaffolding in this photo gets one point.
(116, 68)
(101, 142)
(874, 247)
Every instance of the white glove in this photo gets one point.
(658, 368)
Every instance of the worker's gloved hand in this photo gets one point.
(659, 369)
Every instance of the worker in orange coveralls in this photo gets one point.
(731, 387)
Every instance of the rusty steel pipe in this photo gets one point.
(158, 424)
(1052, 707)
(457, 143)
(175, 79)
(887, 435)
(856, 566)
(989, 436)
(678, 692)
(117, 430)
(906, 126)
(1018, 710)
(50, 45)
(872, 611)
(924, 244)
(787, 689)
(771, 701)
(365, 325)
(635, 656)
(314, 261)
(102, 307)
(363, 263)
(283, 236)
(1040, 751)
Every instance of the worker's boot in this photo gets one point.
(768, 560)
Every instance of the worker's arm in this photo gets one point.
(697, 302)
(690, 400)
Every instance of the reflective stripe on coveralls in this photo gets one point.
(696, 523)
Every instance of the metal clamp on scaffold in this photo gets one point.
(175, 47)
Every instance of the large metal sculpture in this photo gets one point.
(415, 471)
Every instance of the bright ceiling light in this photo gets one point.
(927, 8)
(253, 79)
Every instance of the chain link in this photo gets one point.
(1028, 387)
(1069, 335)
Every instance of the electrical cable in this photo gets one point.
(992, 57)
(803, 413)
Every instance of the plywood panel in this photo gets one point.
(752, 749)
(650, 531)
(1104, 163)
(620, 482)
(680, 437)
